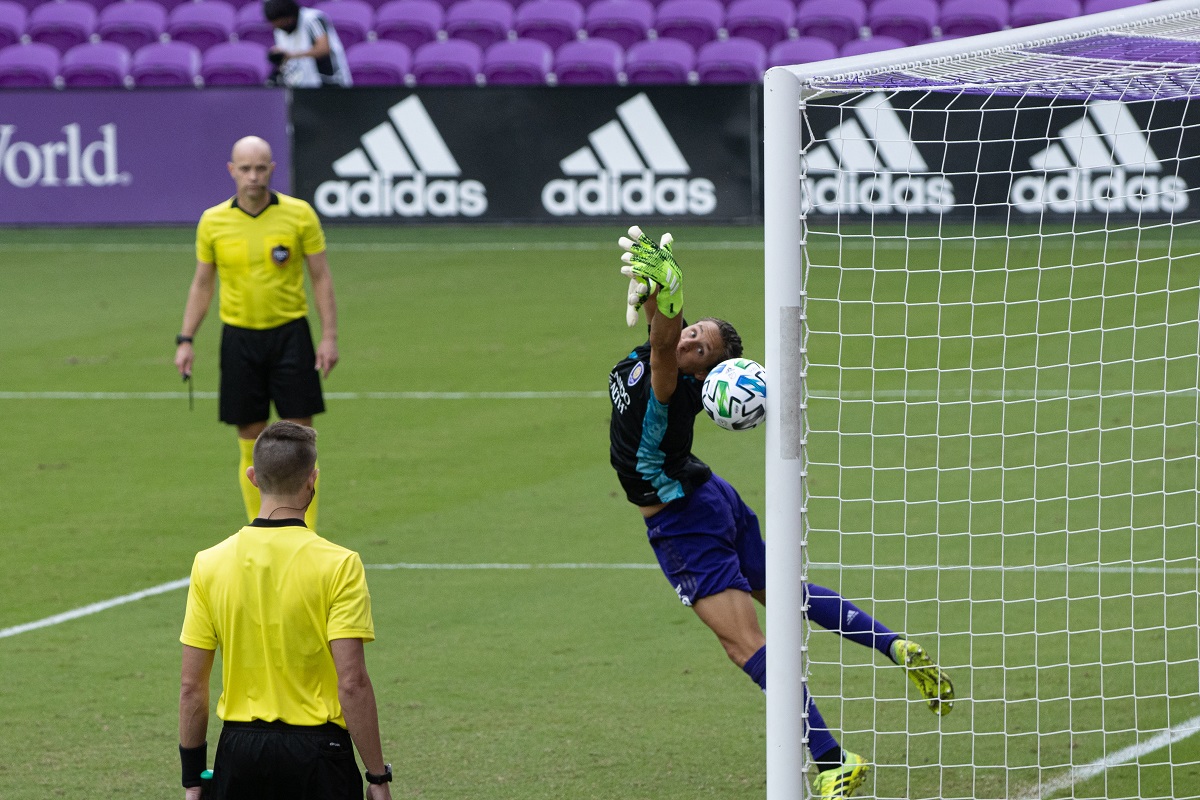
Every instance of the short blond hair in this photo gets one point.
(285, 454)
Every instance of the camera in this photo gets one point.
(275, 57)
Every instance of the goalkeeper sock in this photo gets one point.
(756, 667)
(833, 612)
(310, 514)
(824, 748)
(250, 494)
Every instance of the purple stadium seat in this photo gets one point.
(973, 17)
(132, 23)
(1035, 12)
(483, 22)
(910, 21)
(100, 5)
(166, 64)
(696, 22)
(28, 66)
(381, 62)
(839, 21)
(62, 24)
(352, 19)
(204, 23)
(875, 44)
(12, 22)
(801, 50)
(1096, 6)
(767, 22)
(235, 64)
(554, 22)
(591, 62)
(251, 26)
(659, 61)
(454, 62)
(171, 5)
(518, 62)
(95, 64)
(622, 21)
(732, 60)
(412, 23)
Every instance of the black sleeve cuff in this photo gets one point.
(194, 761)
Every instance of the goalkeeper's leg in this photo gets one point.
(830, 610)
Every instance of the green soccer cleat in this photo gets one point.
(836, 784)
(930, 679)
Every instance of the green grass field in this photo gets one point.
(575, 672)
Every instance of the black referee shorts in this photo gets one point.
(275, 761)
(258, 367)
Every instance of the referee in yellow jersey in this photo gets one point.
(257, 244)
(290, 612)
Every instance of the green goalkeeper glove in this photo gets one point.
(654, 266)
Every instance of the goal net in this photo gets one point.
(983, 337)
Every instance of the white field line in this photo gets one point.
(367, 247)
(563, 395)
(1132, 753)
(910, 396)
(94, 608)
(821, 240)
(162, 588)
(1084, 569)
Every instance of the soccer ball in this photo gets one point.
(735, 394)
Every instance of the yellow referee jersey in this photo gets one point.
(260, 260)
(272, 597)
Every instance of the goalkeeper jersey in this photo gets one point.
(650, 444)
(260, 259)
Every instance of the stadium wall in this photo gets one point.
(95, 157)
(578, 154)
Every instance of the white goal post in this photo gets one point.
(983, 343)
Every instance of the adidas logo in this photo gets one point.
(403, 168)
(875, 167)
(622, 169)
(1106, 165)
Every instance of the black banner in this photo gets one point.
(459, 154)
(1023, 159)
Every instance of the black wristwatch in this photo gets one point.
(386, 777)
(181, 339)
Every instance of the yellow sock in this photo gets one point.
(250, 494)
(310, 516)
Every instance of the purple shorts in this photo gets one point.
(708, 542)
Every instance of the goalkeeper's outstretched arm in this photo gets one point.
(664, 355)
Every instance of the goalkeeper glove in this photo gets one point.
(654, 266)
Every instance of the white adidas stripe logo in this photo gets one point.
(630, 165)
(642, 142)
(403, 168)
(1102, 163)
(1106, 137)
(407, 145)
(875, 139)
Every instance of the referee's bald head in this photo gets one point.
(249, 147)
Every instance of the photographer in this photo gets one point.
(307, 52)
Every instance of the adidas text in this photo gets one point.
(1082, 191)
(379, 196)
(608, 194)
(67, 162)
(882, 193)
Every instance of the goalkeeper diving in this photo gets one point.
(706, 539)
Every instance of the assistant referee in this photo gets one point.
(290, 612)
(257, 244)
